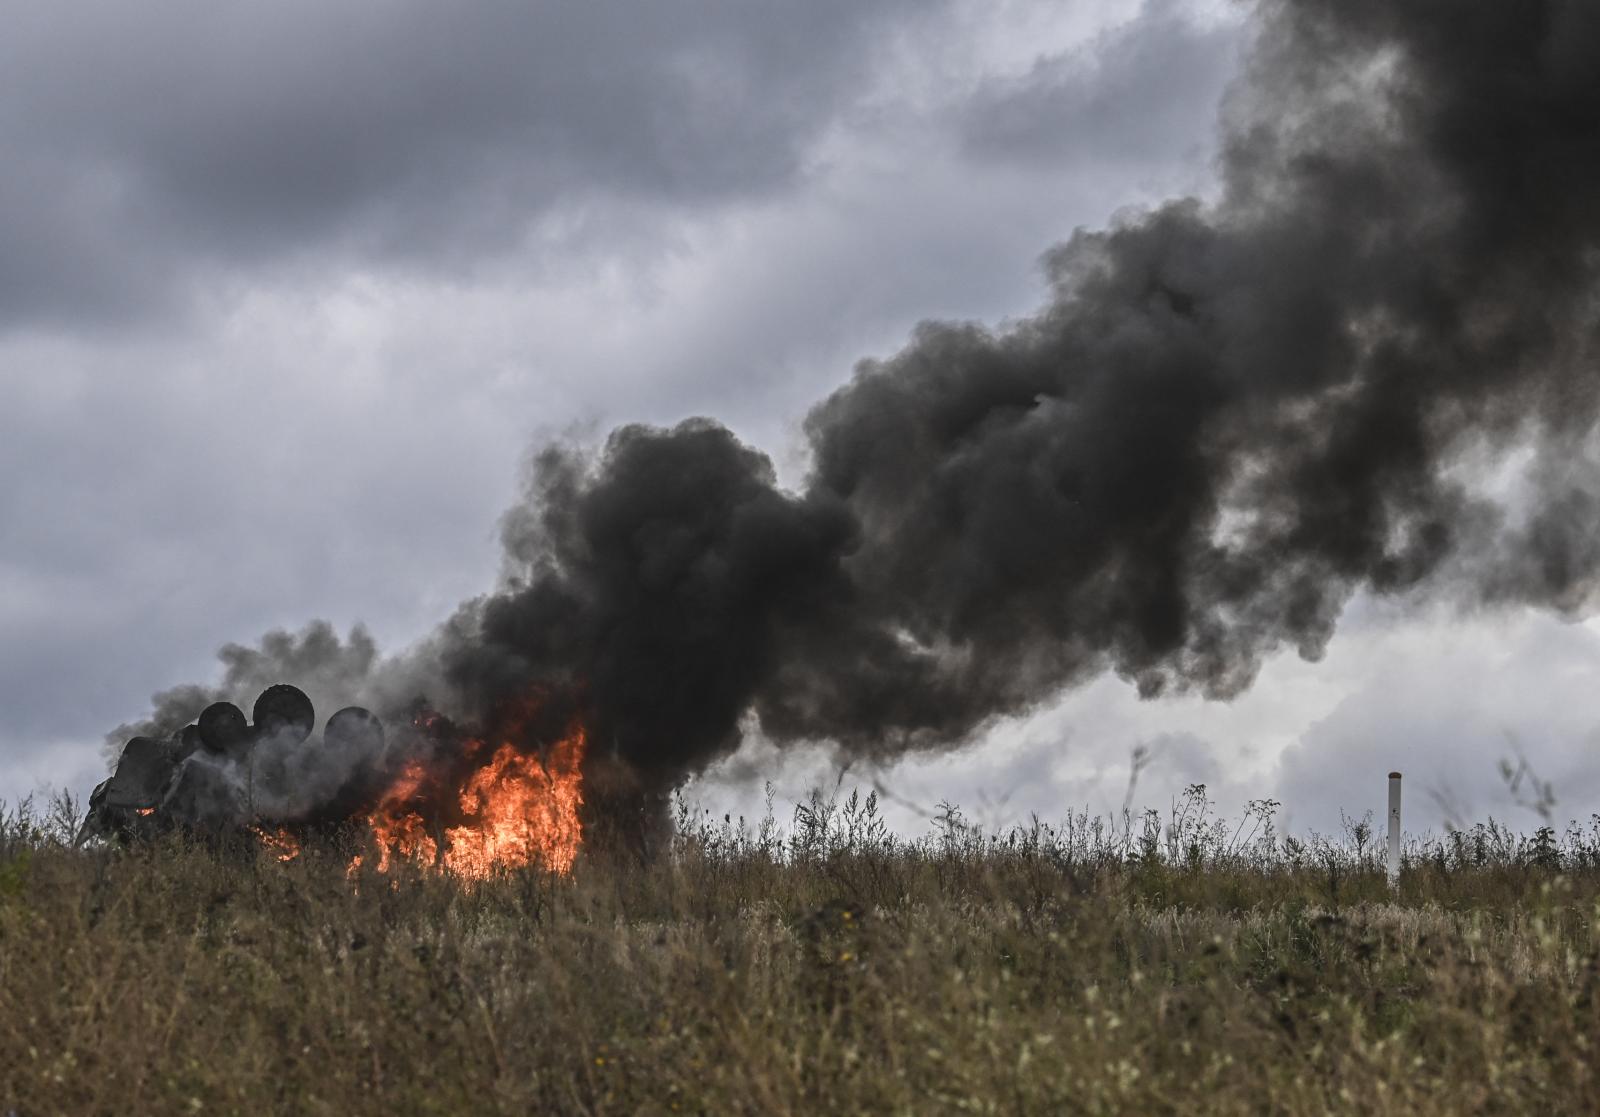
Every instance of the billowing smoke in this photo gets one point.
(1229, 418)
(332, 671)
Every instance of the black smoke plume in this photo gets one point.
(1230, 417)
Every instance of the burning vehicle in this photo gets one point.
(435, 793)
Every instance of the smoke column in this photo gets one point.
(1228, 419)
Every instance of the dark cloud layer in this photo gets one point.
(1229, 419)
(151, 148)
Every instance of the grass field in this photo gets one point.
(1141, 965)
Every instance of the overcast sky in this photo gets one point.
(288, 293)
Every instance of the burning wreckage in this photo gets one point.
(437, 794)
(1230, 417)
(223, 773)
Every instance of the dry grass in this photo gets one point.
(828, 969)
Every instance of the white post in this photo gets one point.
(1394, 830)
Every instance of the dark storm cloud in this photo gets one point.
(142, 141)
(1149, 85)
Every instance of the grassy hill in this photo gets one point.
(1138, 965)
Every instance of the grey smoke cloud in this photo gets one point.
(1233, 416)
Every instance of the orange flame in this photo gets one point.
(399, 830)
(518, 809)
(280, 841)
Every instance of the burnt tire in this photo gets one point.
(356, 728)
(223, 727)
(284, 710)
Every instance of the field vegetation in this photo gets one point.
(1148, 964)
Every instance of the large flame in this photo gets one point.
(516, 809)
(397, 826)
